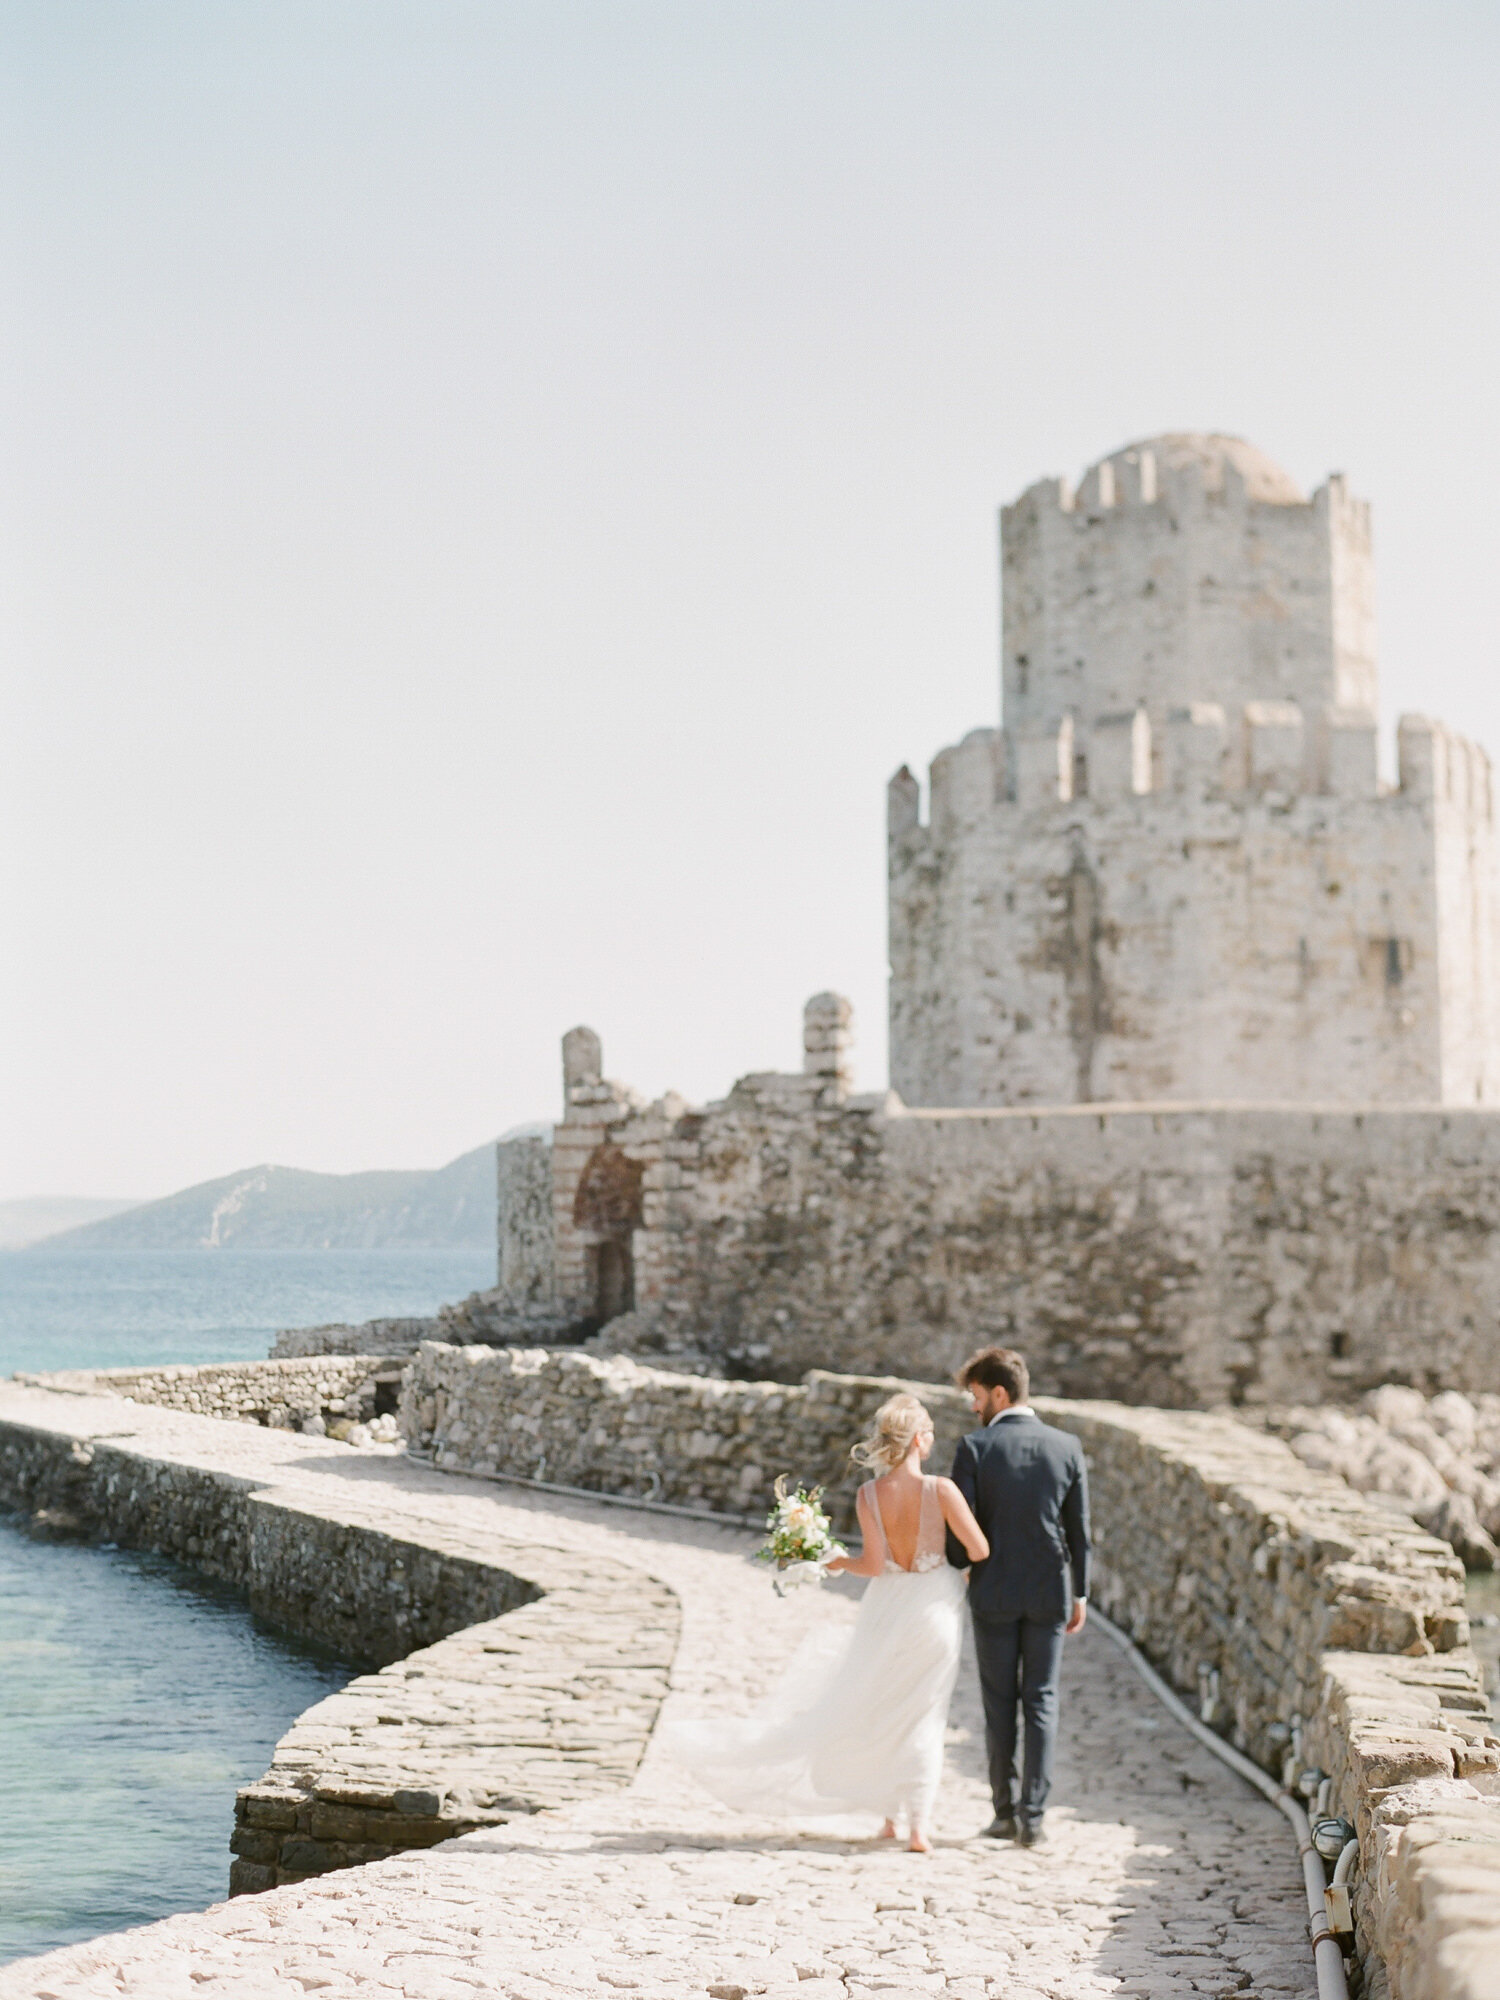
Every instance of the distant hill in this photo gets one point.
(39, 1216)
(285, 1208)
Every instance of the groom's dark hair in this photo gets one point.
(997, 1368)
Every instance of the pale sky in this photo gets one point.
(491, 491)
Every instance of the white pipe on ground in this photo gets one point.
(1328, 1958)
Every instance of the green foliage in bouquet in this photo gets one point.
(797, 1528)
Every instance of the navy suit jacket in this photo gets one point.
(1029, 1490)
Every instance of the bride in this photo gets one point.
(856, 1724)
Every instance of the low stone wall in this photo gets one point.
(1321, 1631)
(1411, 1746)
(371, 1336)
(286, 1394)
(1238, 1568)
(512, 1678)
(1313, 1625)
(546, 1705)
(485, 1319)
(609, 1425)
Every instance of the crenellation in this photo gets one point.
(1193, 1021)
(903, 805)
(1350, 763)
(1194, 745)
(1041, 765)
(1275, 747)
(583, 1058)
(1119, 757)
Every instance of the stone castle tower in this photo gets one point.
(1174, 872)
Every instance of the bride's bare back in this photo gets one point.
(909, 1517)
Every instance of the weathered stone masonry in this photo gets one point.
(283, 1394)
(1174, 872)
(1182, 1255)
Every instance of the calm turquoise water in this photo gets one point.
(115, 1309)
(135, 1697)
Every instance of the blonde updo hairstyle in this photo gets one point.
(898, 1423)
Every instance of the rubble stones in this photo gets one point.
(1439, 1457)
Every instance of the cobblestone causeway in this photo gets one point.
(1164, 1876)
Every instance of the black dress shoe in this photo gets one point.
(1001, 1827)
(1034, 1835)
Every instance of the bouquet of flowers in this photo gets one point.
(799, 1539)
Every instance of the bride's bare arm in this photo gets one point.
(960, 1518)
(872, 1556)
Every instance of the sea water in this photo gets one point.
(135, 1696)
(125, 1308)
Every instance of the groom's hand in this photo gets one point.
(1080, 1612)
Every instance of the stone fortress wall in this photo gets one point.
(1177, 1254)
(1200, 1024)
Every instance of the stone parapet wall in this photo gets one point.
(1320, 1630)
(1411, 1747)
(1238, 1568)
(283, 1394)
(371, 1336)
(1311, 1624)
(1183, 1255)
(343, 1580)
(548, 1704)
(510, 1678)
(609, 1425)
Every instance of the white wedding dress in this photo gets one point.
(856, 1723)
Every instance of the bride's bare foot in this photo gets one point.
(919, 1843)
(888, 1831)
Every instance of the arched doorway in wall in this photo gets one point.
(606, 1213)
(614, 1279)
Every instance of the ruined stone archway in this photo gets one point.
(607, 1212)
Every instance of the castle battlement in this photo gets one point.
(1267, 752)
(1185, 569)
(1174, 871)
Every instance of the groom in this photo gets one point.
(1028, 1488)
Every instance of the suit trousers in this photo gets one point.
(1020, 1662)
